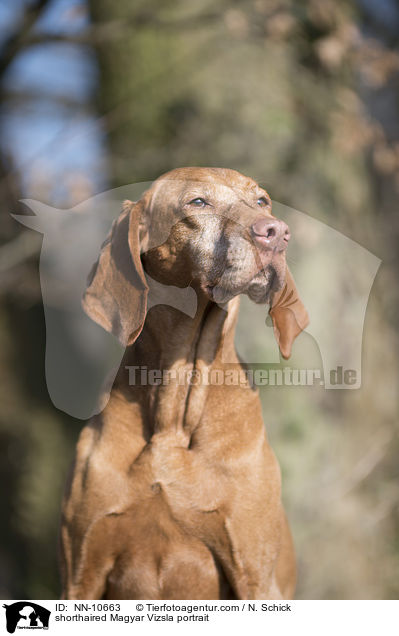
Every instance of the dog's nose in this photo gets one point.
(271, 233)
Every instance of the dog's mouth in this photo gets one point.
(269, 280)
(249, 270)
(258, 287)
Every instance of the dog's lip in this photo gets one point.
(268, 275)
(220, 296)
(223, 292)
(270, 272)
(209, 290)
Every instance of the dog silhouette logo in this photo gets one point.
(26, 615)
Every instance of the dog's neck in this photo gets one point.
(173, 357)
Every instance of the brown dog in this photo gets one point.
(175, 492)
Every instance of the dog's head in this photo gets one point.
(206, 227)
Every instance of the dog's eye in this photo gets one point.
(262, 201)
(200, 203)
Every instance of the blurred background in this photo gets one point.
(302, 95)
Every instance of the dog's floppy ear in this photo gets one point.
(116, 296)
(288, 314)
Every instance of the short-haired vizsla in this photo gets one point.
(175, 491)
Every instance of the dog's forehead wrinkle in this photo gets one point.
(206, 185)
(215, 192)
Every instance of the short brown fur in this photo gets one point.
(175, 491)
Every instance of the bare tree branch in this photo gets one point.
(16, 41)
